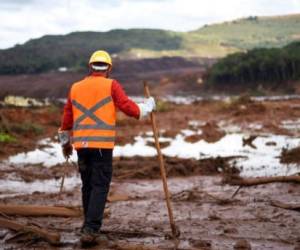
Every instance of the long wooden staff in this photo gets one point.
(175, 231)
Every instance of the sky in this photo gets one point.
(22, 20)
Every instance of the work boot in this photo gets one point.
(90, 237)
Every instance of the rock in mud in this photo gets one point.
(242, 245)
(211, 132)
(201, 244)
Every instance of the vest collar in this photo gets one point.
(98, 74)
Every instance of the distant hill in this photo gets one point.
(72, 51)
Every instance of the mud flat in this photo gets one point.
(211, 140)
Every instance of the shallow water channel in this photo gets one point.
(260, 161)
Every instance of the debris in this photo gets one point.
(162, 144)
(124, 167)
(236, 180)
(242, 245)
(20, 101)
(236, 192)
(290, 155)
(27, 210)
(201, 244)
(193, 138)
(51, 237)
(195, 194)
(249, 141)
(117, 197)
(289, 206)
(211, 132)
(271, 143)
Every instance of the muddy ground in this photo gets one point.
(168, 75)
(208, 215)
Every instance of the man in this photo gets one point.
(90, 114)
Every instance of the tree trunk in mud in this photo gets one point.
(27, 210)
(261, 180)
(51, 237)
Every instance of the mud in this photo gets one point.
(130, 167)
(27, 126)
(166, 75)
(209, 213)
(290, 155)
(205, 221)
(148, 167)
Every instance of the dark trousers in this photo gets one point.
(95, 167)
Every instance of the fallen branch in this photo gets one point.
(261, 180)
(28, 210)
(40, 211)
(291, 206)
(117, 197)
(51, 237)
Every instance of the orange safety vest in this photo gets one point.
(94, 113)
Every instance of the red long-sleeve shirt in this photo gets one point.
(120, 99)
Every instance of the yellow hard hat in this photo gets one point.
(100, 56)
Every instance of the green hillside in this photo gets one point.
(217, 40)
(251, 32)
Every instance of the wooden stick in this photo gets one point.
(291, 206)
(51, 237)
(262, 180)
(63, 177)
(175, 231)
(27, 210)
(236, 192)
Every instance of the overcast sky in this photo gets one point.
(25, 19)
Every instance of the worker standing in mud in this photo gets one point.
(88, 125)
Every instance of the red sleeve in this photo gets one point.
(122, 101)
(67, 119)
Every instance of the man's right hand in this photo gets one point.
(65, 141)
(67, 150)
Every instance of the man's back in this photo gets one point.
(94, 113)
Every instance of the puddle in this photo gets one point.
(11, 188)
(48, 154)
(262, 161)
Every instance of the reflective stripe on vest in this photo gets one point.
(90, 113)
(93, 113)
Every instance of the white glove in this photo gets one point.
(64, 137)
(147, 107)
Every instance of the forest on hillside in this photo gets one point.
(267, 67)
(73, 50)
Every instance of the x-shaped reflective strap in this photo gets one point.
(89, 113)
